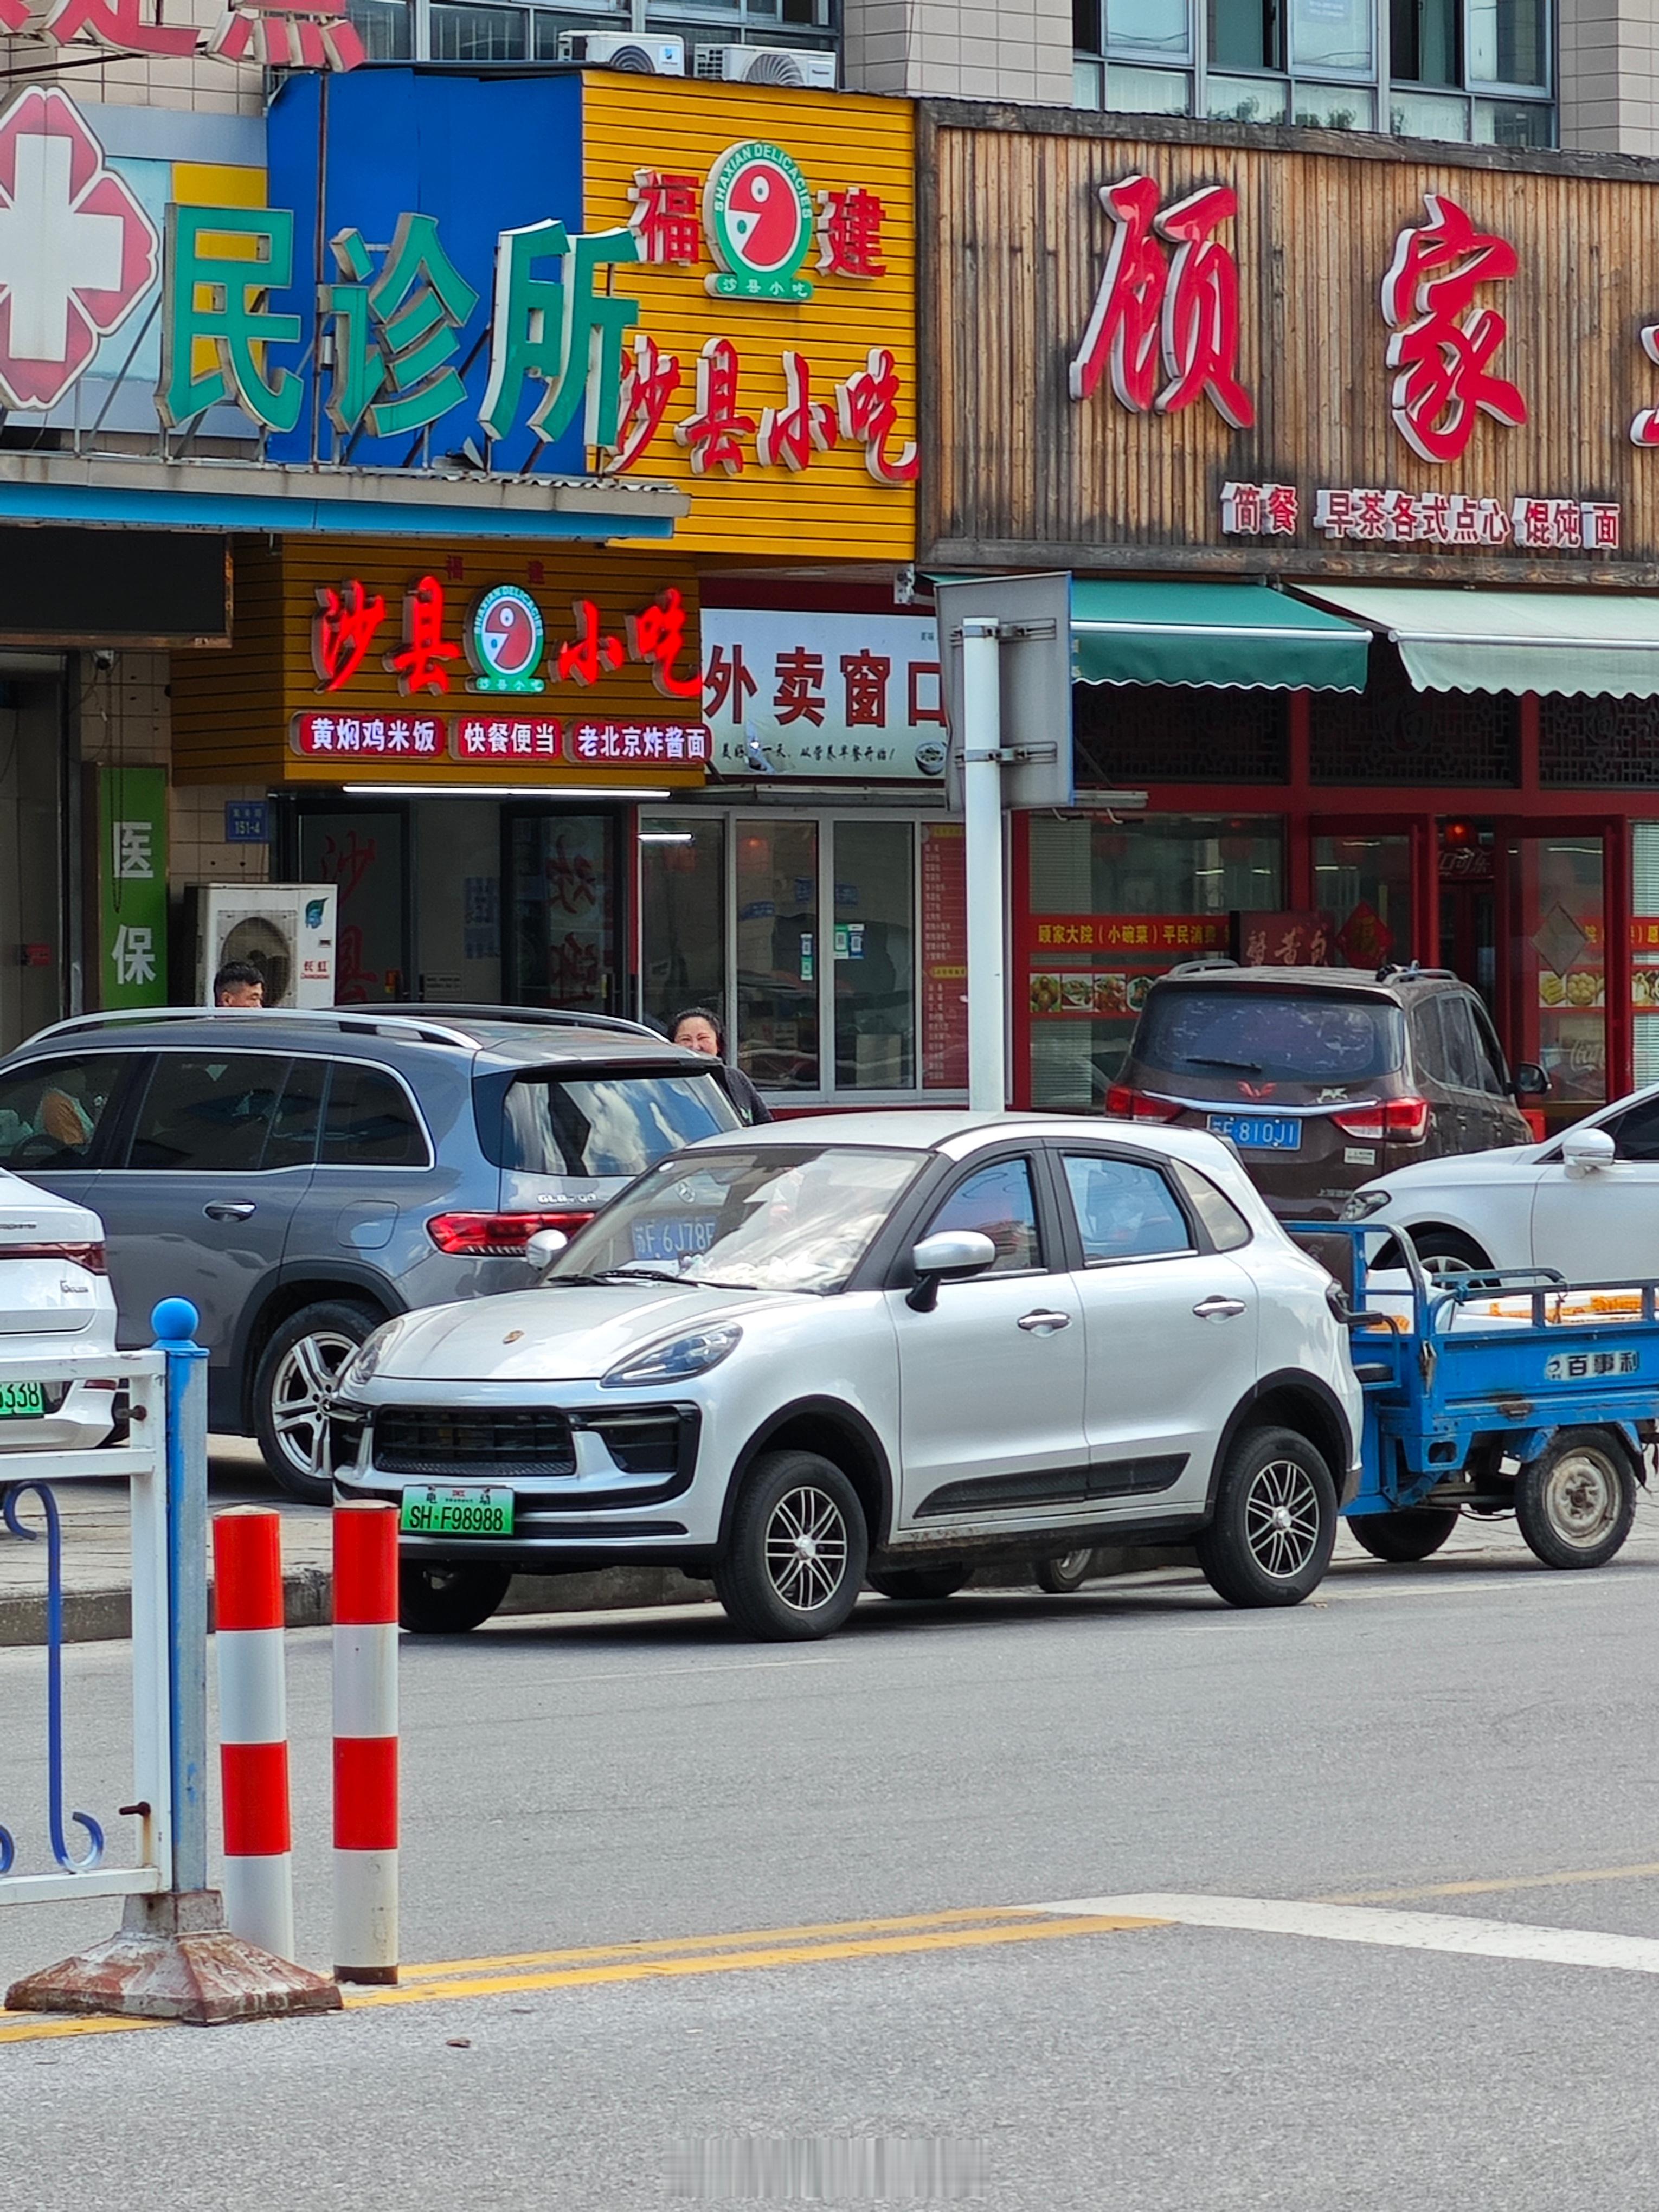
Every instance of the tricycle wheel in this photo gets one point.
(1576, 1501)
(1402, 1537)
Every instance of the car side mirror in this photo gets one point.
(1584, 1150)
(1529, 1080)
(945, 1257)
(544, 1247)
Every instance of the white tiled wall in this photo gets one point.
(1610, 77)
(198, 853)
(967, 49)
(198, 82)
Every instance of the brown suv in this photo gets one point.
(1323, 1078)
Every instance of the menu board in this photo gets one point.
(944, 958)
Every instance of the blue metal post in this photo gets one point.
(175, 1322)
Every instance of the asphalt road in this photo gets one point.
(1471, 1738)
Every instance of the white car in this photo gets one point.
(1585, 1203)
(887, 1347)
(55, 1298)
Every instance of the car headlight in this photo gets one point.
(364, 1363)
(1363, 1205)
(676, 1358)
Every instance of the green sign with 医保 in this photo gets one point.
(132, 887)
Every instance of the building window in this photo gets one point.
(490, 31)
(1464, 69)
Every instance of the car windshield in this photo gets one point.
(608, 1125)
(1298, 1036)
(799, 1218)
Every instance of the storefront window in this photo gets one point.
(458, 915)
(1114, 904)
(874, 948)
(561, 906)
(361, 853)
(1559, 965)
(777, 954)
(1364, 884)
(1645, 939)
(682, 914)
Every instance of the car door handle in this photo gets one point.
(1043, 1324)
(1218, 1309)
(226, 1209)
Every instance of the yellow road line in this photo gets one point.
(644, 1946)
(752, 1949)
(37, 2027)
(1506, 1882)
(729, 1962)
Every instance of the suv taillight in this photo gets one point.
(1391, 1121)
(497, 1236)
(1132, 1105)
(89, 1256)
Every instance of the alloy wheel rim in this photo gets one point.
(303, 1383)
(1281, 1519)
(1067, 1564)
(806, 1548)
(1581, 1498)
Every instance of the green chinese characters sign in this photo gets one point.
(132, 886)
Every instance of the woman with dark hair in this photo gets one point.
(697, 1030)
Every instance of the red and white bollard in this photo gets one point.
(247, 1590)
(366, 1742)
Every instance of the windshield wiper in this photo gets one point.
(618, 1275)
(1241, 1067)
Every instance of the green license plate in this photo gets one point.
(22, 1402)
(434, 1508)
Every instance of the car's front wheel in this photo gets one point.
(297, 1372)
(1270, 1539)
(448, 1601)
(1448, 1252)
(1576, 1501)
(795, 1558)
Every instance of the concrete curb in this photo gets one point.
(102, 1616)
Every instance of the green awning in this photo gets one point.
(1555, 641)
(1231, 636)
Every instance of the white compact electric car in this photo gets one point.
(55, 1298)
(885, 1347)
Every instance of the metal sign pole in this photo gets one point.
(174, 1322)
(981, 794)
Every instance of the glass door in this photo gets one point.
(362, 852)
(563, 911)
(1557, 942)
(776, 941)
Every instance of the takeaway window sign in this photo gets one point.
(824, 696)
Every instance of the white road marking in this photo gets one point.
(1407, 1931)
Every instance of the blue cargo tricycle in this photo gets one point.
(1507, 1391)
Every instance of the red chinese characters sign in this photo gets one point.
(1442, 343)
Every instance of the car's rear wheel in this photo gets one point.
(795, 1558)
(1401, 1538)
(448, 1601)
(296, 1372)
(1066, 1572)
(921, 1582)
(1576, 1501)
(1269, 1541)
(1448, 1252)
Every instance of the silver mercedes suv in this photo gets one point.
(303, 1177)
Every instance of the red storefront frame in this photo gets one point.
(1309, 811)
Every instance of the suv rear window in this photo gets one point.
(1291, 1037)
(607, 1125)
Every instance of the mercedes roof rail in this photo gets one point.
(370, 1022)
(532, 1017)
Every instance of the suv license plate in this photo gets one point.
(1259, 1133)
(434, 1509)
(22, 1402)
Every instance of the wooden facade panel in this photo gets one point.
(232, 711)
(1017, 470)
(833, 508)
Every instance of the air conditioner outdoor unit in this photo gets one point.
(619, 50)
(768, 65)
(286, 931)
